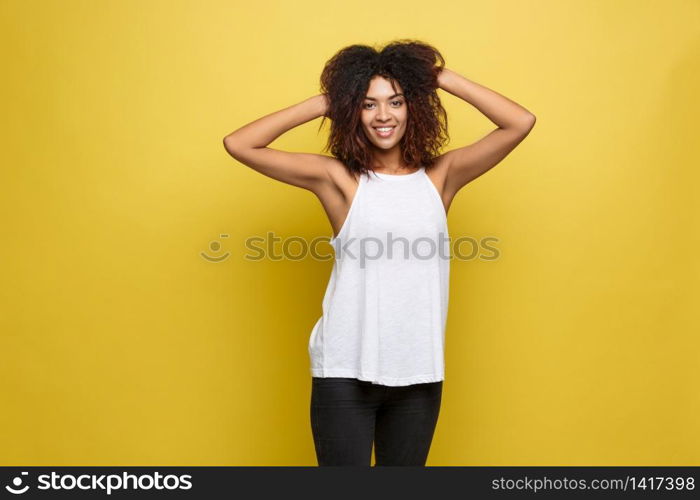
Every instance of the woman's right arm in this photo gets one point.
(248, 145)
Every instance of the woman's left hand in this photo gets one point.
(442, 76)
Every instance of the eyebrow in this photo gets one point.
(390, 97)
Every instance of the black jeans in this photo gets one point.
(349, 415)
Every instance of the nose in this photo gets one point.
(382, 113)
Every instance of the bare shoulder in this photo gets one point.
(337, 192)
(341, 183)
(438, 175)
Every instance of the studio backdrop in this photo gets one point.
(141, 324)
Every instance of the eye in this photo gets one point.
(398, 103)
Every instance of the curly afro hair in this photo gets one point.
(345, 80)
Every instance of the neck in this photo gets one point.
(389, 161)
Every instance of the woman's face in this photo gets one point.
(384, 108)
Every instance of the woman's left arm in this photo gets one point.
(514, 124)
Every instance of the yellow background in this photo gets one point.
(122, 345)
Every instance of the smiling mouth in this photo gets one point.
(384, 131)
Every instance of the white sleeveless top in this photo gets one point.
(385, 307)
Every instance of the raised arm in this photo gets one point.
(248, 145)
(514, 124)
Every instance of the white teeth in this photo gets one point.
(384, 129)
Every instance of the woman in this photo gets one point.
(377, 352)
